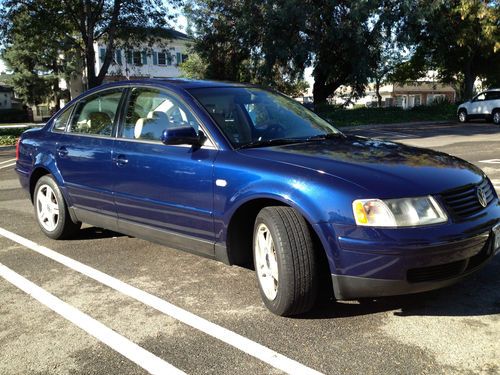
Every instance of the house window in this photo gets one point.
(137, 58)
(435, 98)
(162, 58)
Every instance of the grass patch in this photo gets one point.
(364, 116)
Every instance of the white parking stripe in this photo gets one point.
(8, 165)
(6, 161)
(490, 161)
(242, 343)
(122, 345)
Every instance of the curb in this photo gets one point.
(376, 126)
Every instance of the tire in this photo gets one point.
(51, 211)
(496, 117)
(285, 261)
(462, 116)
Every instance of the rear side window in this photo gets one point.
(62, 120)
(96, 113)
(493, 95)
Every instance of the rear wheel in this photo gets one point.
(462, 115)
(51, 211)
(285, 261)
(496, 117)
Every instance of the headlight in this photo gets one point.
(406, 212)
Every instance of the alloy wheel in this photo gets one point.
(266, 262)
(47, 208)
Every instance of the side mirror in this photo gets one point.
(185, 135)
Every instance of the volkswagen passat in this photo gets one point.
(248, 176)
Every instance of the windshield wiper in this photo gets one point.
(270, 142)
(323, 136)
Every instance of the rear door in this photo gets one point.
(83, 154)
(165, 190)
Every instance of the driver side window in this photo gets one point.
(480, 97)
(151, 111)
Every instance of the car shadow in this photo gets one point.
(476, 295)
(95, 233)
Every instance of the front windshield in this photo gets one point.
(252, 116)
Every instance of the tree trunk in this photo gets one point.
(469, 78)
(377, 91)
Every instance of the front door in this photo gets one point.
(164, 192)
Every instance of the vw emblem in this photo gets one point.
(481, 197)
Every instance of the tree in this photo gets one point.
(458, 38)
(82, 23)
(34, 60)
(282, 37)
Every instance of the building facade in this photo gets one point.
(6, 96)
(160, 59)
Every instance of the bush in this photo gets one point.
(8, 136)
(364, 116)
(13, 115)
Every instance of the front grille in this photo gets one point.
(463, 202)
(439, 272)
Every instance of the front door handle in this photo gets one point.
(120, 160)
(62, 151)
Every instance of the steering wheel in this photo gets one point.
(273, 129)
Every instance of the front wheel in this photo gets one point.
(285, 261)
(496, 117)
(51, 211)
(462, 116)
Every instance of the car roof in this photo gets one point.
(179, 83)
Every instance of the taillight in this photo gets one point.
(17, 148)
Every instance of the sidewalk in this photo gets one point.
(21, 125)
(395, 124)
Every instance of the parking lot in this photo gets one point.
(105, 303)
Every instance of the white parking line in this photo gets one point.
(8, 165)
(6, 161)
(242, 343)
(148, 361)
(490, 161)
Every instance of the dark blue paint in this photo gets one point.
(173, 187)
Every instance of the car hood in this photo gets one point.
(384, 169)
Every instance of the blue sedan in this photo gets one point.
(248, 176)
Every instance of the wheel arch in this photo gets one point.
(239, 232)
(35, 176)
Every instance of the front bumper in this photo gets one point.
(418, 279)
(370, 262)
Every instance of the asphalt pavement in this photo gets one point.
(105, 303)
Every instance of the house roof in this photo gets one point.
(5, 88)
(160, 32)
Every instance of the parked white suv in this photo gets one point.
(485, 105)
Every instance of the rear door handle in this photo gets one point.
(120, 160)
(62, 151)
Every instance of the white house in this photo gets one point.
(160, 59)
(6, 96)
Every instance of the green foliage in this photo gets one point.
(194, 67)
(9, 136)
(70, 28)
(458, 38)
(271, 42)
(365, 116)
